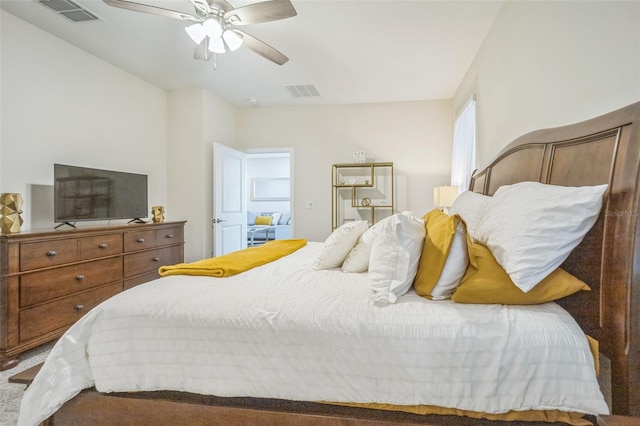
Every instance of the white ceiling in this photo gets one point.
(351, 51)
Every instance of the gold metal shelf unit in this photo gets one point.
(361, 191)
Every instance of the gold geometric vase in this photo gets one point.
(10, 209)
(157, 214)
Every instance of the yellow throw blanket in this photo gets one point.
(237, 261)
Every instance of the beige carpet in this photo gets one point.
(11, 393)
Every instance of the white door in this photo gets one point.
(229, 200)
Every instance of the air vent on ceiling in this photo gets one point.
(70, 10)
(303, 90)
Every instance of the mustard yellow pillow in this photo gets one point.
(444, 256)
(263, 220)
(486, 282)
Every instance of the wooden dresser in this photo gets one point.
(49, 279)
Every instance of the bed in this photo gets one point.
(248, 388)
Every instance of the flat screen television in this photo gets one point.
(82, 194)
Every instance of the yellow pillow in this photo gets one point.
(263, 220)
(486, 282)
(444, 258)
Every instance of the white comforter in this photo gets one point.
(285, 331)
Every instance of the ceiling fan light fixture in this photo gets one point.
(196, 32)
(232, 39)
(212, 28)
(216, 45)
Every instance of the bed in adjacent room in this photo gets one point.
(342, 333)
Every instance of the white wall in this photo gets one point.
(197, 119)
(267, 167)
(63, 105)
(416, 136)
(551, 63)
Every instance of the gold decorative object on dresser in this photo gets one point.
(157, 213)
(49, 279)
(10, 210)
(361, 191)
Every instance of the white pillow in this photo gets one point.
(454, 267)
(531, 227)
(358, 258)
(339, 244)
(275, 218)
(394, 257)
(470, 206)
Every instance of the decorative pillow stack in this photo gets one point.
(503, 249)
(390, 250)
(530, 228)
(521, 236)
(268, 218)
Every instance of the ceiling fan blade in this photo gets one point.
(262, 48)
(222, 4)
(202, 52)
(139, 7)
(201, 6)
(257, 13)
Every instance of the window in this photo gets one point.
(463, 157)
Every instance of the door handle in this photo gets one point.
(216, 220)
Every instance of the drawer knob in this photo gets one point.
(80, 277)
(156, 259)
(52, 253)
(102, 246)
(140, 240)
(79, 308)
(170, 236)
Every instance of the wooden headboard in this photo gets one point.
(605, 149)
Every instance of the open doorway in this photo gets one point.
(269, 196)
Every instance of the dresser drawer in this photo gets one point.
(140, 279)
(139, 240)
(100, 246)
(139, 263)
(48, 253)
(169, 236)
(171, 255)
(61, 313)
(41, 286)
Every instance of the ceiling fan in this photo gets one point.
(213, 26)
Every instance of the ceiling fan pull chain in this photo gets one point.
(215, 61)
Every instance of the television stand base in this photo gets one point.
(73, 225)
(136, 220)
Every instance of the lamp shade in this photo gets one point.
(233, 40)
(443, 196)
(212, 28)
(216, 45)
(196, 32)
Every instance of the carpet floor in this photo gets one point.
(11, 393)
